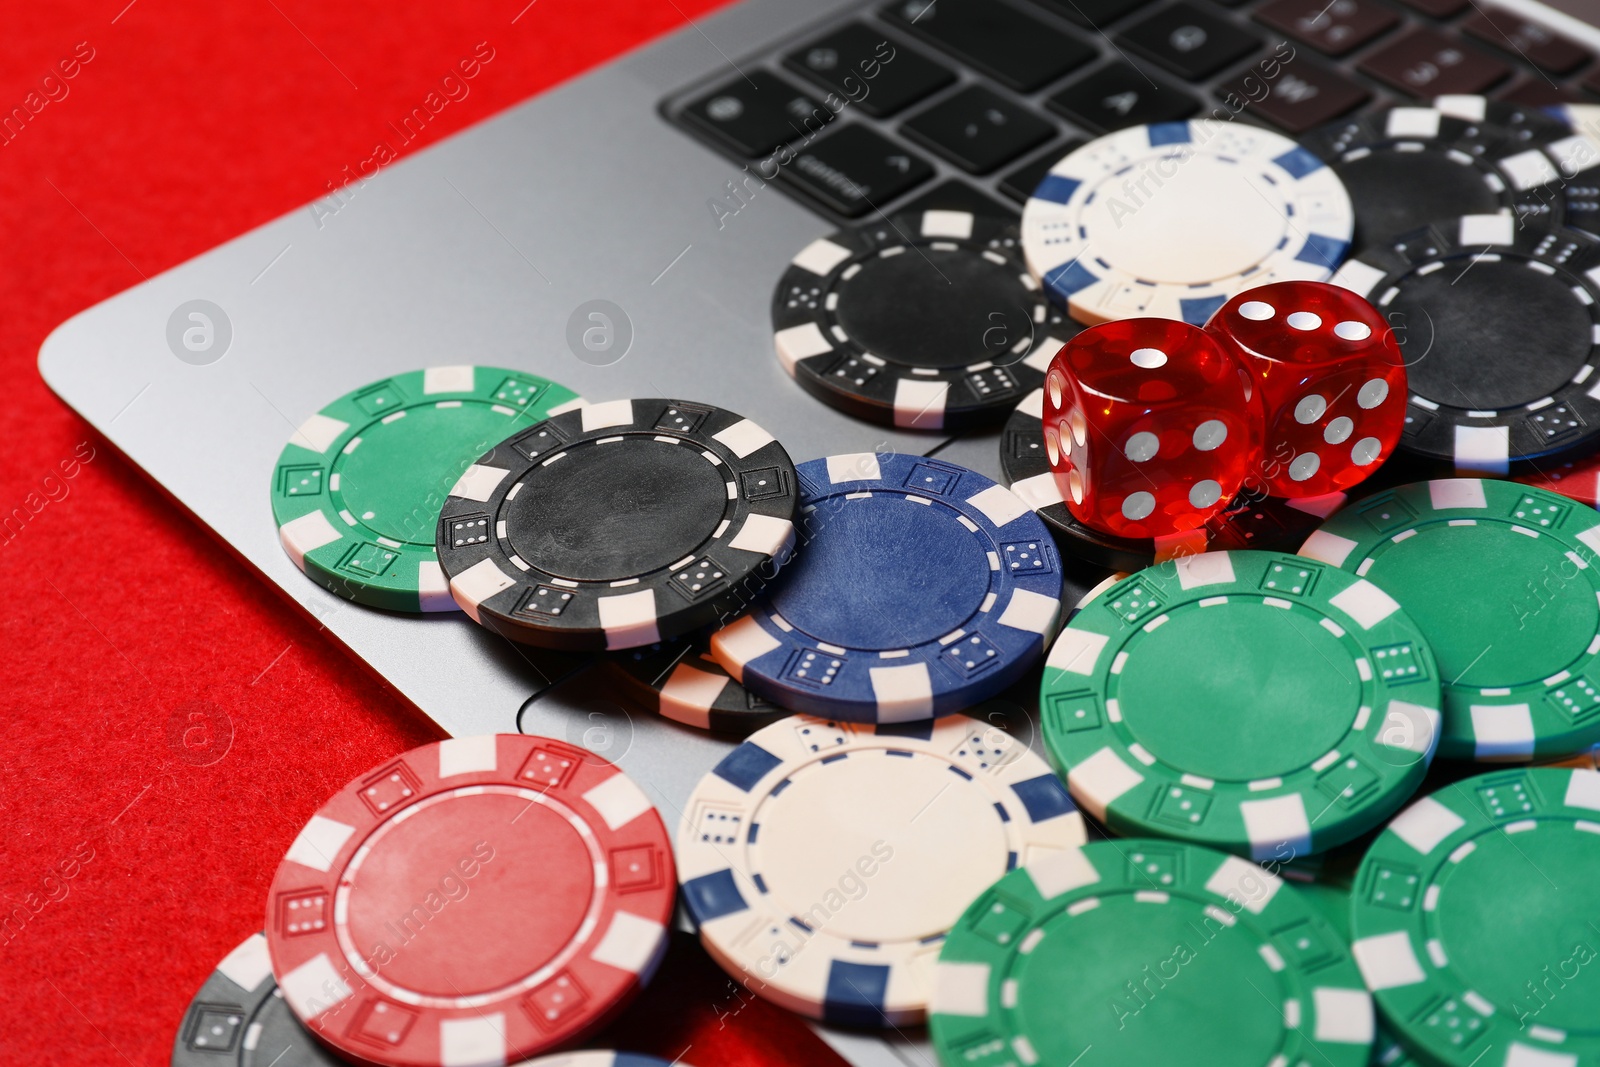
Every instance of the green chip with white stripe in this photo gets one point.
(1129, 953)
(357, 490)
(1260, 703)
(1474, 919)
(1504, 580)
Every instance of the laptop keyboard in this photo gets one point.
(1010, 45)
(966, 103)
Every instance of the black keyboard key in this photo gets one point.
(1121, 95)
(1192, 43)
(1439, 9)
(854, 170)
(1333, 28)
(978, 130)
(1015, 49)
(754, 115)
(1536, 92)
(1542, 47)
(956, 195)
(876, 74)
(1427, 63)
(1020, 183)
(1092, 13)
(1303, 96)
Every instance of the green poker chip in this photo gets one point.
(1332, 901)
(1134, 952)
(1387, 1052)
(1260, 703)
(357, 490)
(1475, 921)
(1503, 579)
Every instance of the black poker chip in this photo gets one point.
(679, 679)
(1408, 166)
(1499, 327)
(926, 321)
(618, 524)
(1252, 520)
(239, 1018)
(1577, 157)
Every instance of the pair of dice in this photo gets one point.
(1152, 426)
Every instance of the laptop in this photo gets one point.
(622, 233)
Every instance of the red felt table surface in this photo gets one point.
(128, 865)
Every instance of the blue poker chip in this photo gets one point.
(921, 588)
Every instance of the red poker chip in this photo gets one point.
(475, 901)
(1579, 479)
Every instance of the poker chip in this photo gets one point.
(239, 1018)
(1170, 220)
(1471, 913)
(1387, 1052)
(472, 901)
(1588, 760)
(1576, 156)
(1097, 589)
(921, 588)
(924, 321)
(618, 524)
(1408, 166)
(1251, 521)
(1331, 901)
(683, 682)
(1464, 293)
(1502, 579)
(1145, 952)
(823, 861)
(1578, 479)
(1248, 701)
(357, 490)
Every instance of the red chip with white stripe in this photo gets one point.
(475, 901)
(1579, 480)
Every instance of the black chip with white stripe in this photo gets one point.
(1408, 166)
(1577, 158)
(680, 679)
(1499, 327)
(618, 524)
(926, 321)
(239, 1018)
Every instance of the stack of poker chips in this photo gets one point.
(1227, 718)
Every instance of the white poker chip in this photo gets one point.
(824, 861)
(1170, 220)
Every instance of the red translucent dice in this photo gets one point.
(1150, 426)
(1331, 381)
